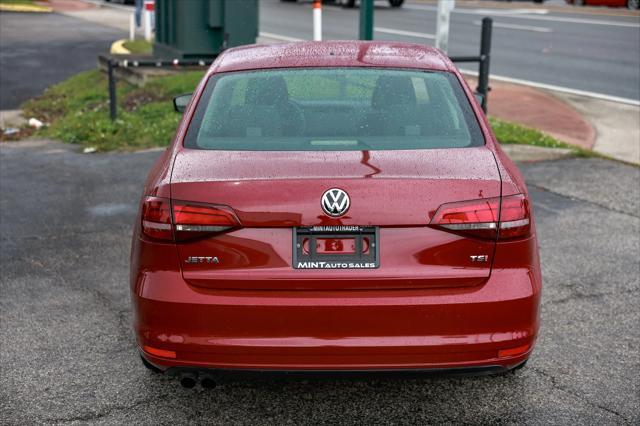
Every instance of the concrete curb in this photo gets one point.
(29, 8)
(533, 154)
(117, 47)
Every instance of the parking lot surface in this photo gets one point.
(68, 355)
(38, 50)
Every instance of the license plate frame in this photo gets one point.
(356, 260)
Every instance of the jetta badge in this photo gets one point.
(335, 202)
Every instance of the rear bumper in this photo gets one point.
(235, 374)
(409, 329)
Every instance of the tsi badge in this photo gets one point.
(479, 258)
(203, 259)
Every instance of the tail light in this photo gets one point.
(193, 220)
(167, 220)
(156, 218)
(515, 217)
(486, 218)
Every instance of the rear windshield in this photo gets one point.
(329, 109)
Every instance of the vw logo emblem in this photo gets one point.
(335, 202)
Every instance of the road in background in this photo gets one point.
(589, 52)
(592, 52)
(54, 48)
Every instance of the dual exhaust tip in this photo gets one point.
(189, 380)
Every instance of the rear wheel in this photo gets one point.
(579, 2)
(633, 4)
(348, 3)
(396, 3)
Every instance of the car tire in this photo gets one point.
(579, 2)
(289, 1)
(633, 4)
(395, 3)
(348, 4)
(150, 366)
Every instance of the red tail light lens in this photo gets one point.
(156, 218)
(486, 218)
(515, 217)
(193, 220)
(477, 217)
(161, 220)
(159, 352)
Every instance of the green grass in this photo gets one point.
(77, 111)
(29, 2)
(138, 47)
(511, 133)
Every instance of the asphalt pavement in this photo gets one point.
(67, 352)
(38, 50)
(595, 52)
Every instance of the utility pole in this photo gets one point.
(442, 27)
(366, 19)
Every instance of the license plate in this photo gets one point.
(336, 247)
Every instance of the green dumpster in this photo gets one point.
(201, 29)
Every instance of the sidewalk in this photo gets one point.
(609, 128)
(617, 126)
(539, 109)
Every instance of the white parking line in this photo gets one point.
(529, 16)
(518, 27)
(561, 89)
(403, 32)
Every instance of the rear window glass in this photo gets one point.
(329, 109)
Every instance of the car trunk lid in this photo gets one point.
(397, 191)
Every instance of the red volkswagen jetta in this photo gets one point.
(334, 206)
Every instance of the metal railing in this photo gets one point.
(484, 60)
(113, 63)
